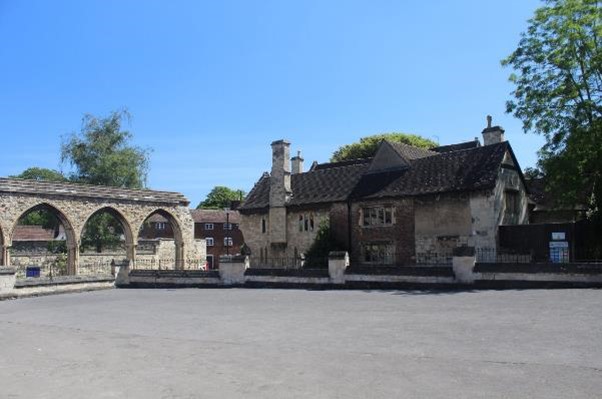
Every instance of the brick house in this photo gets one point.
(405, 205)
(221, 231)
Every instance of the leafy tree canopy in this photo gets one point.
(103, 154)
(40, 174)
(558, 91)
(317, 254)
(367, 146)
(220, 197)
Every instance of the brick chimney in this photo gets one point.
(297, 163)
(492, 134)
(280, 190)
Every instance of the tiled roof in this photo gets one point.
(409, 153)
(214, 216)
(329, 182)
(430, 172)
(32, 233)
(463, 170)
(457, 147)
(89, 191)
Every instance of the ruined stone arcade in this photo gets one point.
(74, 204)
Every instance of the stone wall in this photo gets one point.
(443, 223)
(74, 211)
(298, 241)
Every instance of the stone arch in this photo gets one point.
(177, 234)
(130, 243)
(72, 241)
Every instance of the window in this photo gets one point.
(377, 216)
(227, 226)
(378, 253)
(160, 225)
(306, 222)
(263, 226)
(208, 226)
(228, 241)
(512, 206)
(209, 241)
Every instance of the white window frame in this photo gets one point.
(160, 226)
(227, 226)
(228, 242)
(208, 226)
(378, 216)
(210, 241)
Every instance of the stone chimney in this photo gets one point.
(492, 134)
(297, 163)
(280, 190)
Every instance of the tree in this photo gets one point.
(367, 146)
(41, 217)
(220, 197)
(102, 153)
(558, 90)
(325, 242)
(41, 174)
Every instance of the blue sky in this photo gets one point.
(211, 84)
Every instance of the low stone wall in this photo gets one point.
(58, 285)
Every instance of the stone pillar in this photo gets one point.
(232, 269)
(463, 263)
(130, 250)
(4, 261)
(7, 279)
(73, 260)
(180, 256)
(338, 261)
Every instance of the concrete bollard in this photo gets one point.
(463, 263)
(232, 269)
(338, 261)
(8, 277)
(122, 273)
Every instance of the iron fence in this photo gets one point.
(493, 255)
(97, 268)
(288, 262)
(168, 264)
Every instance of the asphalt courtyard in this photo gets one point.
(246, 343)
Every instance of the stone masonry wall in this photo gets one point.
(75, 211)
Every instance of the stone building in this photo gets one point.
(405, 205)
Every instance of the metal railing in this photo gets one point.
(288, 262)
(168, 264)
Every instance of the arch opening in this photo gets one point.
(160, 244)
(106, 240)
(43, 238)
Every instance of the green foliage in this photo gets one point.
(325, 242)
(41, 174)
(57, 247)
(102, 231)
(102, 153)
(220, 197)
(558, 91)
(367, 146)
(41, 217)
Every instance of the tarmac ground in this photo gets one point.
(272, 343)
